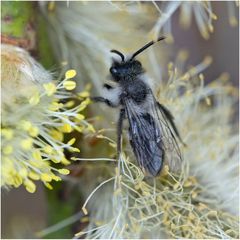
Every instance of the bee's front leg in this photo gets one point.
(111, 96)
(107, 86)
(103, 100)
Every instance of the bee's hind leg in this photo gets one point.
(119, 131)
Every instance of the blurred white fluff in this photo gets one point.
(83, 34)
(202, 11)
(24, 79)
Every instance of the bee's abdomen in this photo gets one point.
(146, 141)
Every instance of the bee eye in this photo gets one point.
(113, 70)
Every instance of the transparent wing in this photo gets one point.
(151, 137)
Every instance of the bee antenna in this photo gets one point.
(145, 47)
(119, 53)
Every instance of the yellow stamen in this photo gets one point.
(23, 172)
(56, 160)
(211, 28)
(46, 177)
(48, 185)
(74, 149)
(26, 144)
(33, 131)
(233, 21)
(64, 171)
(208, 101)
(50, 88)
(7, 133)
(69, 104)
(55, 106)
(17, 180)
(48, 149)
(66, 128)
(84, 94)
(56, 178)
(69, 85)
(91, 128)
(72, 141)
(34, 100)
(79, 117)
(37, 155)
(70, 74)
(65, 161)
(57, 135)
(51, 6)
(7, 150)
(30, 186)
(33, 176)
(207, 60)
(25, 125)
(85, 211)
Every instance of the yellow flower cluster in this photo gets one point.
(174, 206)
(33, 129)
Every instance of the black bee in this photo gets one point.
(151, 125)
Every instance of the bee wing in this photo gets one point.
(151, 136)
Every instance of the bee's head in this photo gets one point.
(130, 67)
(125, 69)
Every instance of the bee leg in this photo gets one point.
(104, 100)
(119, 131)
(170, 119)
(107, 86)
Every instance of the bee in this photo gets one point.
(152, 131)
